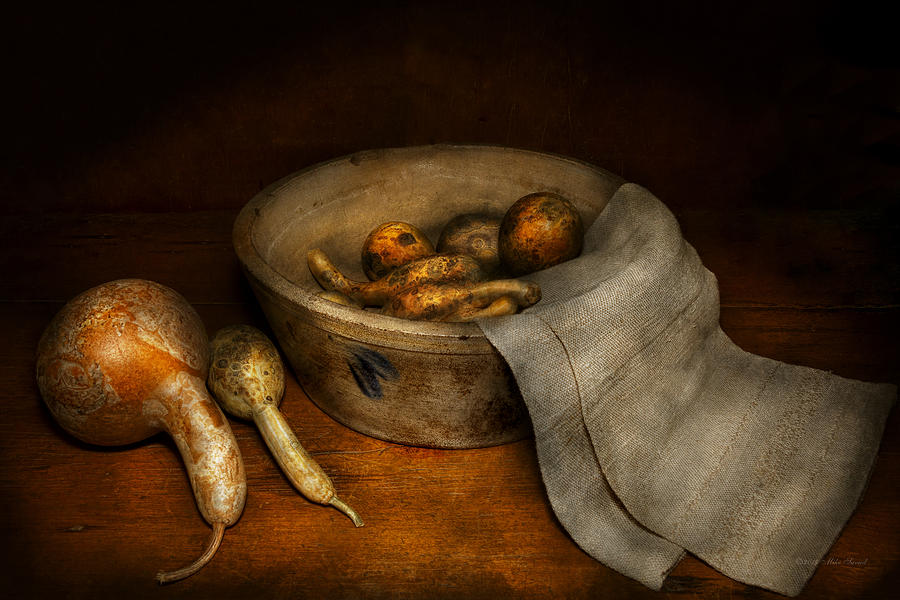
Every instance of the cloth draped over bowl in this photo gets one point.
(656, 434)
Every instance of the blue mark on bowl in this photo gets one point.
(367, 366)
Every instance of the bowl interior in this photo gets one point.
(335, 205)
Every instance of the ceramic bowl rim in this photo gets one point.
(256, 266)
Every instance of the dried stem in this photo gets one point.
(214, 542)
(347, 510)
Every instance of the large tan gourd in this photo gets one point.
(128, 359)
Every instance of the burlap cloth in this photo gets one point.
(656, 434)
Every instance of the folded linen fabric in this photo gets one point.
(656, 434)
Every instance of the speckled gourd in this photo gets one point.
(438, 268)
(247, 378)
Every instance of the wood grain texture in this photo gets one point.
(133, 140)
(438, 523)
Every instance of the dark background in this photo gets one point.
(188, 108)
(132, 136)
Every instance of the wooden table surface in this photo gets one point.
(135, 143)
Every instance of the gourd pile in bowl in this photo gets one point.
(468, 274)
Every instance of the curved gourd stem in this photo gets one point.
(502, 306)
(296, 463)
(214, 542)
(328, 275)
(524, 293)
(195, 422)
(347, 510)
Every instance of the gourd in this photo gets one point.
(247, 378)
(442, 287)
(474, 234)
(463, 302)
(538, 231)
(128, 359)
(391, 245)
(438, 268)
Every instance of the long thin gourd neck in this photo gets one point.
(211, 456)
(331, 278)
(525, 293)
(291, 456)
(298, 466)
(207, 446)
(328, 275)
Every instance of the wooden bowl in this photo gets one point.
(439, 385)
